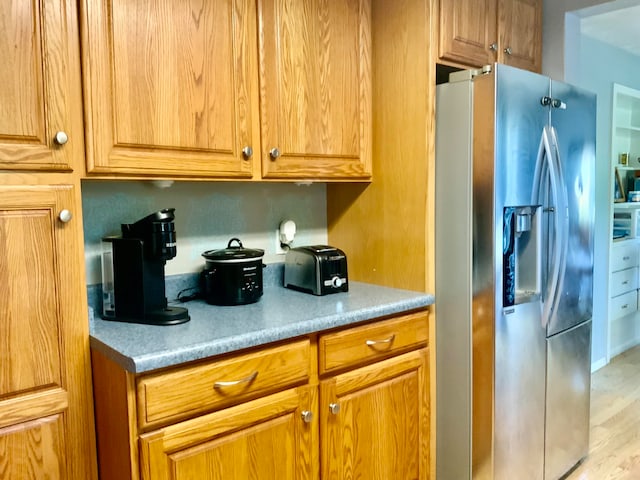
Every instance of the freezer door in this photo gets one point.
(520, 394)
(568, 395)
(573, 118)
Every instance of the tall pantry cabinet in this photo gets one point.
(46, 418)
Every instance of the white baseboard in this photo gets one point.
(598, 364)
(618, 349)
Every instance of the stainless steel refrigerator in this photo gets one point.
(515, 159)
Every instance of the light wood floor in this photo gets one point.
(614, 443)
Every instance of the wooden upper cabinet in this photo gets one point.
(46, 421)
(40, 93)
(315, 88)
(175, 88)
(521, 33)
(468, 31)
(478, 32)
(171, 87)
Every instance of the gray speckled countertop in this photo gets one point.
(280, 314)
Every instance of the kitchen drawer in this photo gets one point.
(624, 255)
(187, 391)
(624, 304)
(624, 281)
(354, 346)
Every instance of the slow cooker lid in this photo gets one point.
(233, 252)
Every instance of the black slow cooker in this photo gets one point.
(233, 275)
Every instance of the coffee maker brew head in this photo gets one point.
(158, 233)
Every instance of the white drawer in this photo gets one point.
(624, 304)
(623, 281)
(624, 255)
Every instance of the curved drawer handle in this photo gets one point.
(373, 343)
(248, 379)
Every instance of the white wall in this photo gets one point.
(208, 214)
(553, 33)
(596, 68)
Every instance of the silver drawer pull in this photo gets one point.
(248, 379)
(626, 258)
(373, 343)
(626, 282)
(624, 306)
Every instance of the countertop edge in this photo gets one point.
(199, 351)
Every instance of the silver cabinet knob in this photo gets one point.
(508, 50)
(247, 151)
(307, 416)
(274, 152)
(65, 216)
(61, 138)
(334, 408)
(493, 47)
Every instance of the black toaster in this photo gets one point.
(316, 269)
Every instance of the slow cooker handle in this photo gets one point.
(234, 240)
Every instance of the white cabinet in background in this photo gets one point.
(625, 128)
(624, 281)
(623, 324)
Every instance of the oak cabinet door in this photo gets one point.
(374, 421)
(521, 33)
(315, 88)
(46, 420)
(44, 439)
(479, 32)
(40, 96)
(171, 87)
(260, 439)
(468, 30)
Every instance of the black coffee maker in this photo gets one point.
(133, 272)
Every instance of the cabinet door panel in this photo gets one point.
(264, 438)
(381, 429)
(44, 369)
(172, 87)
(35, 85)
(521, 33)
(33, 450)
(467, 30)
(315, 88)
(240, 454)
(29, 312)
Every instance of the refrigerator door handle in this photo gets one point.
(548, 164)
(562, 215)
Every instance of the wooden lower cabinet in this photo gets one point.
(374, 421)
(265, 438)
(368, 418)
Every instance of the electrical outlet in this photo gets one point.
(278, 246)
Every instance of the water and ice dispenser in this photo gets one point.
(521, 249)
